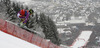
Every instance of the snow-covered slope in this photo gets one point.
(82, 39)
(8, 41)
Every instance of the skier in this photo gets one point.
(23, 15)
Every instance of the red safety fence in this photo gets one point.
(44, 43)
(25, 35)
(51, 45)
(10, 28)
(3, 25)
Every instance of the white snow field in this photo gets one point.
(82, 39)
(9, 41)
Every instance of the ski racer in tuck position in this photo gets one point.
(23, 15)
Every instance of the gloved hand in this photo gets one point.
(18, 15)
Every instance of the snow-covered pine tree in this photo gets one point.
(49, 29)
(53, 29)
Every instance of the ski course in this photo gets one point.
(82, 39)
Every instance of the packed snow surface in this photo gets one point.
(82, 39)
(8, 41)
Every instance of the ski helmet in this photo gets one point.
(22, 12)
